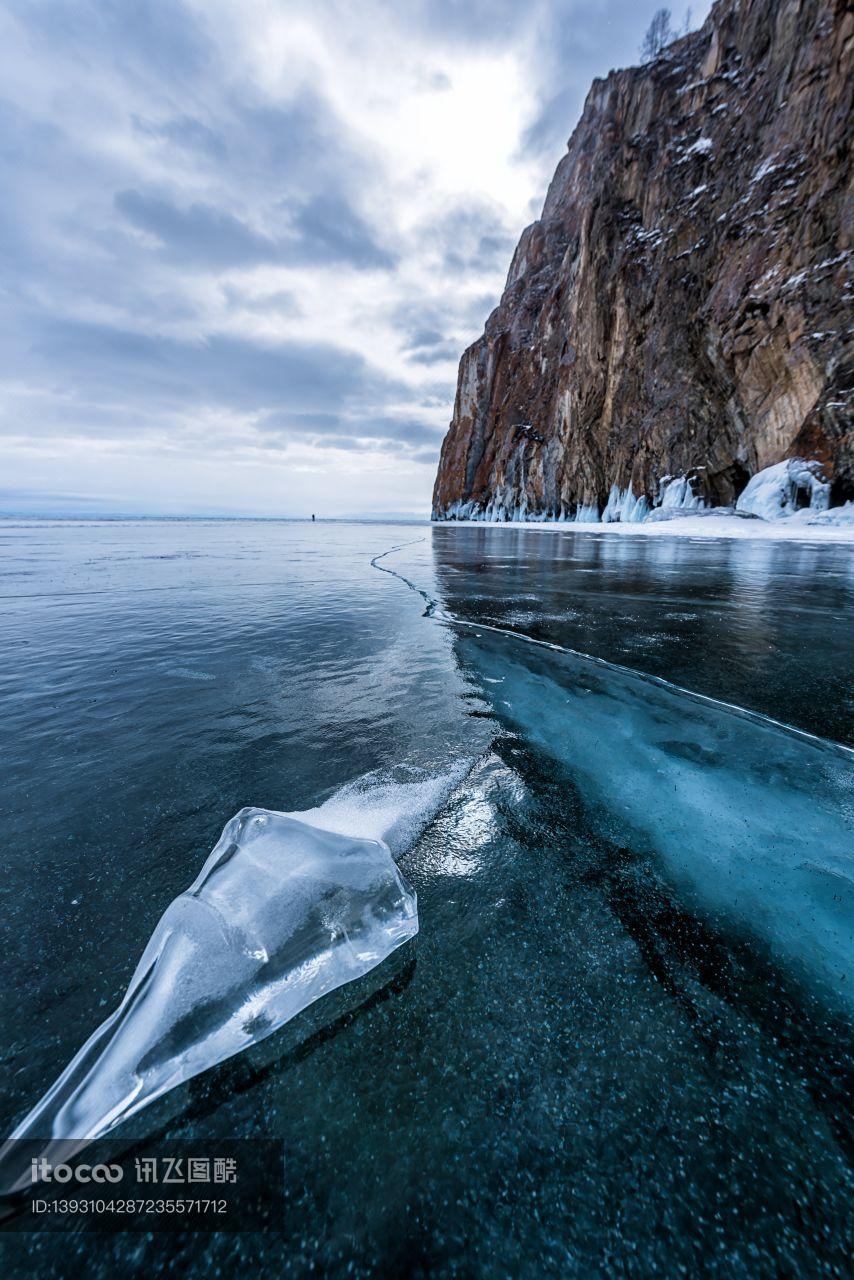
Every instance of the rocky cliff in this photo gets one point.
(680, 309)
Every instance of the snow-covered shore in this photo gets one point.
(788, 500)
(709, 524)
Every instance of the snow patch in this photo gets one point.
(701, 147)
(394, 806)
(767, 166)
(833, 518)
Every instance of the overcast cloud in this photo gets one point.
(246, 241)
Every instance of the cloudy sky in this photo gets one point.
(244, 242)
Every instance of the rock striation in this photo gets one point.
(682, 309)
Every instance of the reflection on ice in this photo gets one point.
(475, 827)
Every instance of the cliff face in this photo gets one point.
(681, 307)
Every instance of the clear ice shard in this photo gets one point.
(283, 911)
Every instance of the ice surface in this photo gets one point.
(750, 821)
(780, 490)
(286, 908)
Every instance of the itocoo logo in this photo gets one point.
(44, 1171)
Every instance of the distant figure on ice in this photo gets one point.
(312, 517)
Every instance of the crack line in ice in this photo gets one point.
(434, 610)
(432, 604)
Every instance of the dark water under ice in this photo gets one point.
(619, 1045)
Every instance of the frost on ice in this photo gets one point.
(284, 910)
(785, 488)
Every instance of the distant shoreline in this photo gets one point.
(60, 518)
(708, 526)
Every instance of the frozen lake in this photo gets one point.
(619, 1044)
